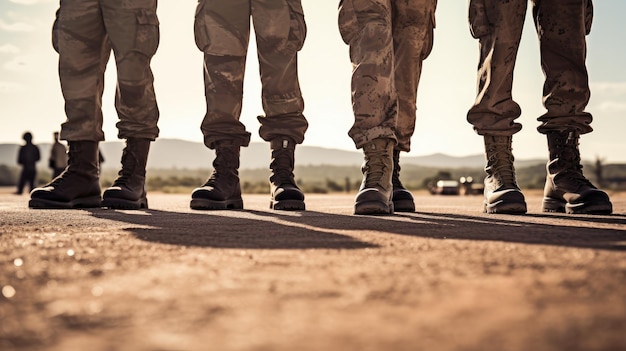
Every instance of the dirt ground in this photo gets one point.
(447, 277)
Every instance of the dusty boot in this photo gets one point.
(129, 189)
(78, 186)
(285, 193)
(567, 189)
(374, 196)
(222, 191)
(402, 198)
(502, 195)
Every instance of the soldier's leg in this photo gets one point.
(562, 27)
(497, 24)
(280, 33)
(413, 22)
(80, 39)
(133, 30)
(366, 26)
(222, 31)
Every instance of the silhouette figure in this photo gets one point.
(27, 157)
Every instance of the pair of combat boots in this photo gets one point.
(79, 184)
(223, 191)
(381, 191)
(566, 189)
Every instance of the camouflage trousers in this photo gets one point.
(222, 32)
(562, 26)
(388, 41)
(84, 33)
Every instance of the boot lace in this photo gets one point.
(570, 161)
(501, 165)
(282, 167)
(375, 168)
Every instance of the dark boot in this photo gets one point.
(78, 186)
(502, 195)
(129, 189)
(567, 189)
(374, 196)
(222, 191)
(285, 193)
(402, 199)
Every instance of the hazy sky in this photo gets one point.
(30, 97)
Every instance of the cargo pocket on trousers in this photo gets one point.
(478, 20)
(348, 23)
(147, 32)
(199, 28)
(297, 31)
(55, 33)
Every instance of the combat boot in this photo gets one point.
(129, 189)
(222, 190)
(402, 199)
(78, 186)
(285, 193)
(567, 189)
(502, 195)
(375, 194)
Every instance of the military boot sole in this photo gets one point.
(82, 202)
(373, 208)
(560, 206)
(503, 207)
(404, 206)
(125, 204)
(287, 205)
(206, 204)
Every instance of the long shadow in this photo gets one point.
(463, 227)
(227, 229)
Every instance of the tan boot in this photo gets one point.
(375, 194)
(502, 195)
(567, 189)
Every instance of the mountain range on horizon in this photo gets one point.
(182, 154)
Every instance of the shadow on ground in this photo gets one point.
(250, 229)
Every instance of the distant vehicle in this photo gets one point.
(446, 187)
(469, 187)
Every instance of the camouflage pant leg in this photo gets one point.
(562, 27)
(280, 33)
(133, 29)
(83, 34)
(413, 24)
(498, 26)
(222, 32)
(80, 38)
(365, 25)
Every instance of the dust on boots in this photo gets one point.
(128, 190)
(222, 190)
(79, 184)
(375, 194)
(285, 193)
(502, 194)
(567, 190)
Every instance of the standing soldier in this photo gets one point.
(222, 31)
(27, 156)
(562, 27)
(388, 41)
(84, 33)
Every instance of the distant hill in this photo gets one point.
(173, 153)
